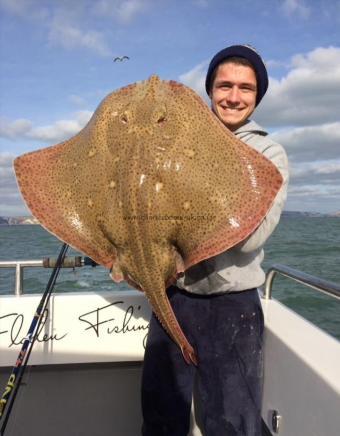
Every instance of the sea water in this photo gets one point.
(309, 244)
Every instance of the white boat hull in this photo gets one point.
(86, 367)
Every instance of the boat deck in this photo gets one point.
(84, 377)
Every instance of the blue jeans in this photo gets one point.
(226, 332)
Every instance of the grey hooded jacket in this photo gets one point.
(239, 268)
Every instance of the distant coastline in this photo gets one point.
(296, 214)
(17, 220)
(30, 220)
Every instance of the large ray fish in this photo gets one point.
(152, 185)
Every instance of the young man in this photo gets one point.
(217, 302)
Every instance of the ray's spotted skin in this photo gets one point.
(151, 186)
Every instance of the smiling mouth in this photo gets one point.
(231, 109)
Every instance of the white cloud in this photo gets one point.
(5, 164)
(56, 132)
(307, 101)
(10, 198)
(123, 11)
(195, 78)
(296, 7)
(67, 23)
(315, 192)
(69, 36)
(14, 129)
(307, 94)
(273, 63)
(129, 9)
(330, 168)
(313, 153)
(316, 198)
(63, 23)
(11, 202)
(77, 100)
(25, 8)
(53, 133)
(16, 7)
(201, 3)
(312, 142)
(321, 173)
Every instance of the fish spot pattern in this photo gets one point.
(152, 185)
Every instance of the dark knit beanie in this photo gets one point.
(242, 51)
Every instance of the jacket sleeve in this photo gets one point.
(276, 154)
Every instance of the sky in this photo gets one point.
(57, 65)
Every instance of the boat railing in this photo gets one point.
(325, 286)
(48, 262)
(321, 285)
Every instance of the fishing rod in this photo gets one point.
(17, 373)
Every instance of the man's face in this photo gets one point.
(233, 94)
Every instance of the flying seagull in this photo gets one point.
(120, 59)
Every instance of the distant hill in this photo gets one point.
(17, 220)
(3, 221)
(296, 214)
